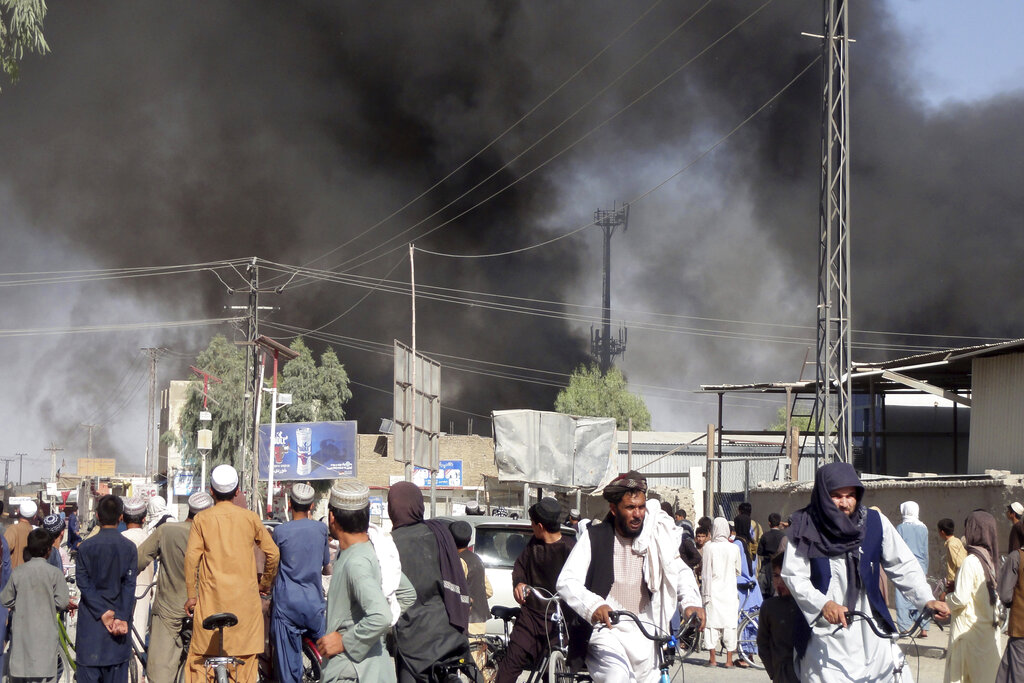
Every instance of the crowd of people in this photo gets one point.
(401, 602)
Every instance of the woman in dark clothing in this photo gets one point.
(434, 627)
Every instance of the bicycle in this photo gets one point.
(666, 644)
(223, 665)
(746, 637)
(688, 637)
(883, 633)
(66, 665)
(489, 650)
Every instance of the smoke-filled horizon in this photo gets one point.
(152, 135)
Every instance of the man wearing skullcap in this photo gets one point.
(630, 561)
(299, 606)
(17, 533)
(105, 573)
(134, 517)
(836, 551)
(220, 576)
(54, 526)
(358, 614)
(167, 543)
(573, 520)
(477, 584)
(536, 568)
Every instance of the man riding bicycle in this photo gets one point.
(630, 561)
(836, 551)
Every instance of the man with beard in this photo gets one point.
(836, 551)
(631, 562)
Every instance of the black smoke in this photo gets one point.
(162, 133)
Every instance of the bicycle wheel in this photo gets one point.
(310, 664)
(65, 667)
(558, 668)
(746, 646)
(182, 668)
(688, 639)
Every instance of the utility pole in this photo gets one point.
(21, 467)
(151, 418)
(249, 447)
(833, 405)
(602, 346)
(88, 450)
(7, 467)
(54, 448)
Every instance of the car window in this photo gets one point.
(499, 548)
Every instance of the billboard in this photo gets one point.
(546, 448)
(310, 450)
(449, 475)
(96, 467)
(416, 443)
(185, 482)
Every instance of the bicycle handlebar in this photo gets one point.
(615, 615)
(851, 615)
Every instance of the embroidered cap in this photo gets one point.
(224, 479)
(53, 524)
(199, 501)
(350, 494)
(28, 509)
(472, 506)
(574, 514)
(302, 494)
(134, 506)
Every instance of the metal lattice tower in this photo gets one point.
(833, 406)
(602, 346)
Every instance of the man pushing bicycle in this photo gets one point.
(630, 561)
(836, 552)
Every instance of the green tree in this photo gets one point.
(318, 394)
(801, 422)
(590, 393)
(21, 29)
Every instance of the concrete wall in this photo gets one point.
(376, 464)
(936, 497)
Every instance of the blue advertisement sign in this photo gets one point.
(449, 474)
(310, 450)
(185, 483)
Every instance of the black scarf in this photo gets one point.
(822, 530)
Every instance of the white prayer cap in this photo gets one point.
(302, 494)
(199, 501)
(134, 506)
(224, 479)
(472, 506)
(1018, 509)
(350, 494)
(28, 509)
(157, 505)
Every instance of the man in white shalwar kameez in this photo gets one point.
(719, 569)
(631, 562)
(836, 550)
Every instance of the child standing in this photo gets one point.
(105, 572)
(34, 592)
(776, 625)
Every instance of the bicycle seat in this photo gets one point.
(505, 613)
(221, 620)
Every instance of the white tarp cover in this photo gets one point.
(546, 448)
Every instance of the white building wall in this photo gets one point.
(997, 414)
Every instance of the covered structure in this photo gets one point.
(979, 398)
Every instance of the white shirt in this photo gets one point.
(662, 539)
(854, 653)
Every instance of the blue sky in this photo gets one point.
(968, 50)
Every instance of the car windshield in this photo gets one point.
(499, 547)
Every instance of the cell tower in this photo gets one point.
(602, 346)
(833, 406)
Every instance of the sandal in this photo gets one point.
(741, 664)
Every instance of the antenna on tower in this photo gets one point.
(602, 346)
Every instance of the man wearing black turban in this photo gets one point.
(630, 561)
(837, 549)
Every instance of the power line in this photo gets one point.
(114, 327)
(363, 256)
